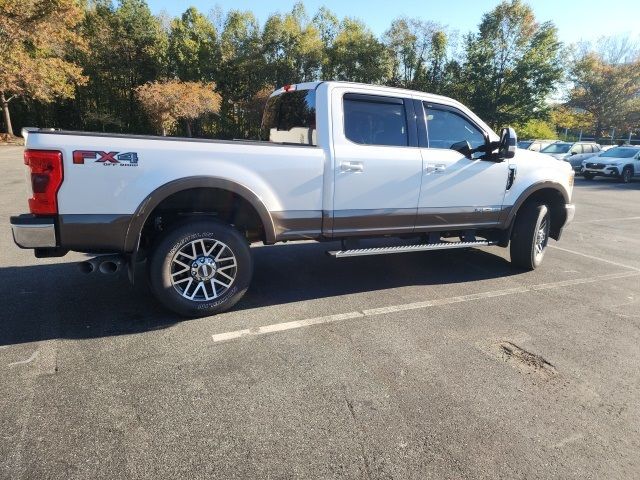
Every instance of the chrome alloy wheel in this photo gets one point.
(203, 269)
(542, 235)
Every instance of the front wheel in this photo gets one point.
(200, 268)
(530, 236)
(627, 175)
(588, 176)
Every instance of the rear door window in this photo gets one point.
(371, 120)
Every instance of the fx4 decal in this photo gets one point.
(127, 159)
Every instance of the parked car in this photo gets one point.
(620, 162)
(534, 145)
(344, 161)
(574, 153)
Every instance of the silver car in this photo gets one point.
(534, 145)
(574, 153)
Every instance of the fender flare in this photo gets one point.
(152, 200)
(530, 190)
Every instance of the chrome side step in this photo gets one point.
(359, 252)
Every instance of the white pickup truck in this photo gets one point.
(343, 162)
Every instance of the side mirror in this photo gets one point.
(464, 147)
(573, 153)
(508, 143)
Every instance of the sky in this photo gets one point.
(576, 19)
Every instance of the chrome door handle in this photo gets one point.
(435, 168)
(351, 166)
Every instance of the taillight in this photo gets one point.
(46, 177)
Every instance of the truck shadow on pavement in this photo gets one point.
(58, 301)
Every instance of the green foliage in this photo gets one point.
(536, 129)
(417, 52)
(512, 64)
(357, 55)
(504, 72)
(193, 50)
(127, 47)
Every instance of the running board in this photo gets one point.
(358, 252)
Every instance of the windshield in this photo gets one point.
(291, 118)
(557, 148)
(620, 152)
(524, 145)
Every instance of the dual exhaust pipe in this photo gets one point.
(105, 264)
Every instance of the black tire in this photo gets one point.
(162, 261)
(626, 175)
(588, 176)
(525, 236)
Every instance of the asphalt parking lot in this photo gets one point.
(413, 366)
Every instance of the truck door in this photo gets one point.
(377, 164)
(457, 192)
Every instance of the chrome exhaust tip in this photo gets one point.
(110, 267)
(86, 267)
(105, 264)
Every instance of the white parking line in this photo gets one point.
(593, 257)
(33, 356)
(280, 327)
(619, 219)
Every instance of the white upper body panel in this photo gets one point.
(283, 177)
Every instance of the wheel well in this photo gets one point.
(224, 205)
(556, 202)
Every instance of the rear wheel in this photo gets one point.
(200, 268)
(627, 174)
(588, 176)
(530, 236)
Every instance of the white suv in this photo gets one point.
(620, 162)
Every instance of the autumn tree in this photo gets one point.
(34, 36)
(511, 65)
(168, 102)
(569, 118)
(608, 91)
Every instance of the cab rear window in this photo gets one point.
(291, 118)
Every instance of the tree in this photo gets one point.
(356, 55)
(242, 73)
(292, 48)
(563, 116)
(34, 36)
(127, 48)
(536, 128)
(608, 91)
(417, 50)
(512, 65)
(193, 50)
(168, 102)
